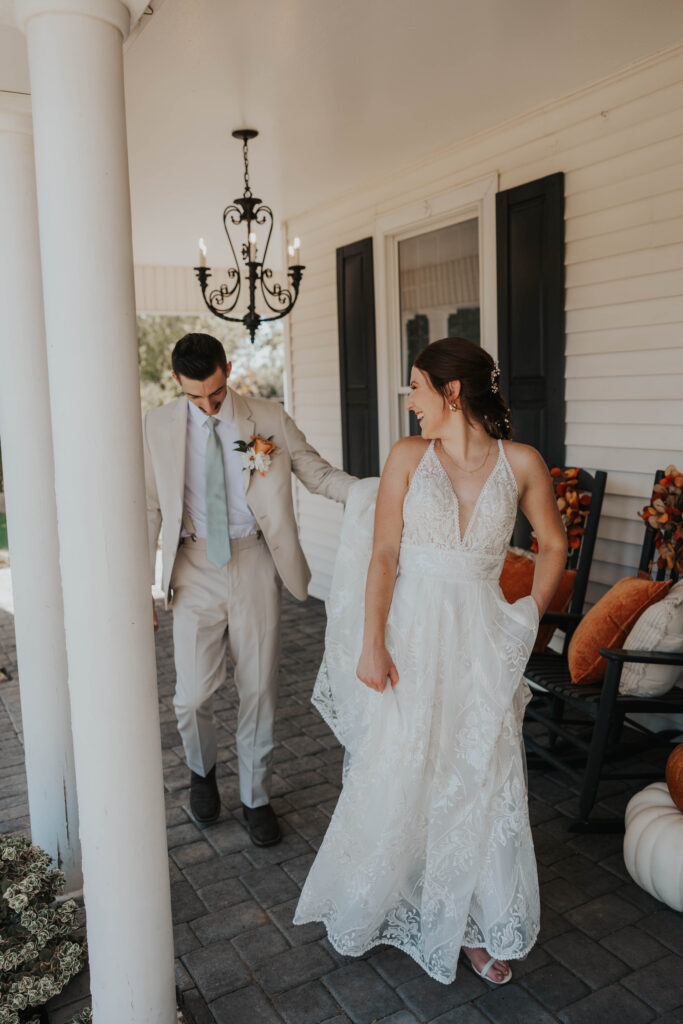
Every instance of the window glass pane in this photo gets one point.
(439, 288)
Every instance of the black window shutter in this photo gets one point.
(531, 341)
(357, 358)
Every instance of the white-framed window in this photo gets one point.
(435, 276)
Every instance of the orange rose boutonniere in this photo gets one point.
(256, 453)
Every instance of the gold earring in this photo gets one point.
(453, 406)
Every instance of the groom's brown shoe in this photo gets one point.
(262, 825)
(205, 803)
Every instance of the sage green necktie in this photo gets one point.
(217, 536)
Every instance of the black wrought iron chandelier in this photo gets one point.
(279, 300)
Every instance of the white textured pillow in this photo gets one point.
(659, 628)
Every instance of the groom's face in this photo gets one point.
(208, 395)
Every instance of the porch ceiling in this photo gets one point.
(342, 91)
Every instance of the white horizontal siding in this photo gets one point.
(645, 313)
(649, 286)
(620, 144)
(625, 459)
(170, 290)
(603, 389)
(642, 412)
(642, 187)
(615, 218)
(615, 435)
(635, 265)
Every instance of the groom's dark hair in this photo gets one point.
(197, 356)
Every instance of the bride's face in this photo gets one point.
(427, 404)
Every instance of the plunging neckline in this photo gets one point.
(462, 538)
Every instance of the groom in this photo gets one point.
(229, 543)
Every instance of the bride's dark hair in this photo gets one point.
(458, 359)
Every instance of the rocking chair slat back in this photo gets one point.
(648, 552)
(582, 558)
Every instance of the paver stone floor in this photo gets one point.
(607, 951)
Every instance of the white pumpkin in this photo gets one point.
(653, 844)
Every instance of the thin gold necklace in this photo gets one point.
(461, 468)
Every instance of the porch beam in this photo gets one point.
(76, 71)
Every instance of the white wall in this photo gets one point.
(13, 60)
(168, 290)
(620, 144)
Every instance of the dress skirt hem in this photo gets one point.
(403, 947)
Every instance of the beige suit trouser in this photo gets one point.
(236, 606)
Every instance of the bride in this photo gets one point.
(429, 848)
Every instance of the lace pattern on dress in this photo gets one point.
(430, 846)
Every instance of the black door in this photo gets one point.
(357, 358)
(530, 244)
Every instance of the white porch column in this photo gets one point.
(26, 437)
(76, 69)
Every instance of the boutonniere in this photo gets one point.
(256, 453)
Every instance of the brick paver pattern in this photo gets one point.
(607, 951)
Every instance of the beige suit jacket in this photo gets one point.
(269, 496)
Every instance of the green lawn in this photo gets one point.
(3, 531)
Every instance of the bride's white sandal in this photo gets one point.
(487, 967)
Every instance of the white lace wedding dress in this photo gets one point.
(429, 847)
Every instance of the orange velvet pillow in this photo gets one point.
(516, 581)
(608, 623)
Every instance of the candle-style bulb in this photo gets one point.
(297, 254)
(202, 252)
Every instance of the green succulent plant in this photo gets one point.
(39, 948)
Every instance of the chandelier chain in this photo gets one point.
(247, 187)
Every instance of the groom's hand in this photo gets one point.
(375, 667)
(156, 620)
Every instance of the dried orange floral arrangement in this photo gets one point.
(664, 514)
(573, 503)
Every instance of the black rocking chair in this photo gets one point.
(595, 737)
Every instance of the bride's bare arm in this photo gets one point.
(538, 503)
(375, 664)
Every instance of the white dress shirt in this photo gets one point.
(241, 521)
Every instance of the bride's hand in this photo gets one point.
(375, 667)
